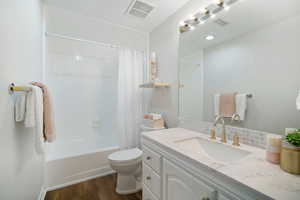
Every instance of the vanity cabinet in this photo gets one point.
(165, 179)
(175, 168)
(151, 180)
(151, 174)
(179, 184)
(147, 194)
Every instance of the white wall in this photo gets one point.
(73, 24)
(70, 23)
(164, 40)
(21, 169)
(191, 94)
(265, 63)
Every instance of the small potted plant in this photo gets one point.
(294, 138)
(290, 153)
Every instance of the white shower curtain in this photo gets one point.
(131, 66)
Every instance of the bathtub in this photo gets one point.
(75, 161)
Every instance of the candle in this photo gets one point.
(153, 57)
(274, 140)
(273, 148)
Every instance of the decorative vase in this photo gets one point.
(290, 158)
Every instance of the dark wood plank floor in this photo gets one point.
(102, 188)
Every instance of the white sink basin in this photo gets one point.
(216, 151)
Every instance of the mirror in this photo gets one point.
(252, 48)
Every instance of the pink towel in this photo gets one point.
(49, 129)
(227, 104)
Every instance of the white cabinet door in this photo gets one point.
(152, 159)
(222, 197)
(180, 185)
(147, 195)
(151, 180)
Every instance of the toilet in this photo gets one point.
(128, 165)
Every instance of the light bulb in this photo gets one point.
(226, 8)
(192, 17)
(182, 23)
(219, 1)
(203, 10)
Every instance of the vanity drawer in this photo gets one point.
(152, 159)
(151, 180)
(147, 194)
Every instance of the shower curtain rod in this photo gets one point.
(80, 40)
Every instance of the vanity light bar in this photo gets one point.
(204, 14)
(229, 2)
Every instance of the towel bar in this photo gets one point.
(12, 88)
(249, 95)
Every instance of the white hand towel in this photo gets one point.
(156, 116)
(241, 105)
(39, 121)
(20, 106)
(217, 104)
(29, 120)
(34, 117)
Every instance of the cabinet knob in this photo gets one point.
(148, 158)
(148, 178)
(205, 198)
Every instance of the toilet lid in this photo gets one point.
(125, 155)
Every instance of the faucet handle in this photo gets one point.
(216, 117)
(223, 135)
(236, 140)
(235, 117)
(213, 134)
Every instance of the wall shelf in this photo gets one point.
(155, 85)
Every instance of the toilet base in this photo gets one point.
(127, 185)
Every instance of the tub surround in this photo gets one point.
(256, 176)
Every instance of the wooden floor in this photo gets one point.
(96, 189)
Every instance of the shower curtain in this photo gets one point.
(131, 66)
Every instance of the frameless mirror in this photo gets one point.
(253, 48)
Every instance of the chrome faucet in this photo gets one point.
(223, 134)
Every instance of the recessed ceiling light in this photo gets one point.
(209, 37)
(78, 58)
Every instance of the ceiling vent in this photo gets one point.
(221, 22)
(140, 9)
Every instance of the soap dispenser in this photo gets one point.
(298, 101)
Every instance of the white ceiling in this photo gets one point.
(114, 11)
(244, 17)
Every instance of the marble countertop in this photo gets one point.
(253, 170)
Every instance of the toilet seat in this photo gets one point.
(126, 157)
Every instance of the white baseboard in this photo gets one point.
(81, 177)
(42, 194)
